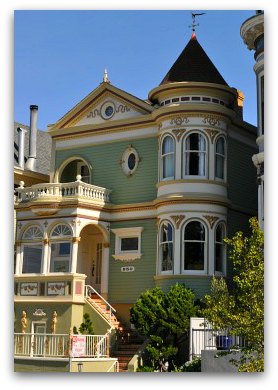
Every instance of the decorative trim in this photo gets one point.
(179, 133)
(45, 241)
(158, 220)
(75, 239)
(179, 120)
(127, 256)
(211, 219)
(177, 219)
(39, 313)
(211, 120)
(212, 134)
(106, 245)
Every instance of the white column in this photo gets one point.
(74, 253)
(18, 259)
(177, 251)
(178, 166)
(211, 251)
(45, 256)
(105, 270)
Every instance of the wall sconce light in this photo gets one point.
(80, 366)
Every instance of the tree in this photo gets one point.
(87, 326)
(240, 308)
(164, 318)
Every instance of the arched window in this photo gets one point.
(195, 149)
(32, 250)
(219, 248)
(220, 156)
(194, 258)
(60, 248)
(166, 247)
(168, 158)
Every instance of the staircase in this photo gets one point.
(104, 310)
(128, 344)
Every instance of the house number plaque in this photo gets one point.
(127, 269)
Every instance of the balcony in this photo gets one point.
(55, 193)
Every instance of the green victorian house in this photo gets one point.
(141, 194)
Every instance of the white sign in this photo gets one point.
(128, 269)
(78, 346)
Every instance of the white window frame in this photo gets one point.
(127, 233)
(206, 249)
(163, 156)
(188, 151)
(168, 272)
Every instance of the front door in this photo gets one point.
(96, 266)
(38, 338)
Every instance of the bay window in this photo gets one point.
(194, 247)
(166, 247)
(195, 150)
(167, 158)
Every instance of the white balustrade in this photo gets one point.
(63, 190)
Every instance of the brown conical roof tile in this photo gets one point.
(193, 64)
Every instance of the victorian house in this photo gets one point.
(141, 194)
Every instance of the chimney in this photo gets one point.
(32, 158)
(21, 146)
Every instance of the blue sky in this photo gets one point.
(60, 56)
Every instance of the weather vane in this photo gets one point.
(194, 24)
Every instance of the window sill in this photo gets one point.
(127, 256)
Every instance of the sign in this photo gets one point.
(128, 269)
(78, 346)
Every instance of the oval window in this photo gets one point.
(131, 161)
(109, 111)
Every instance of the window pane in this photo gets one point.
(129, 244)
(219, 167)
(219, 234)
(168, 166)
(167, 257)
(60, 257)
(32, 257)
(131, 161)
(220, 146)
(166, 232)
(167, 145)
(219, 249)
(195, 231)
(194, 256)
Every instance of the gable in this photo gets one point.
(106, 103)
(108, 108)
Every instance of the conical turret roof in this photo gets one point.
(193, 65)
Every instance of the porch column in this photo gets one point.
(45, 256)
(74, 253)
(18, 258)
(105, 270)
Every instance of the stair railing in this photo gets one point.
(89, 290)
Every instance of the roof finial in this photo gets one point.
(105, 76)
(194, 24)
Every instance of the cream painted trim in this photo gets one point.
(200, 181)
(106, 138)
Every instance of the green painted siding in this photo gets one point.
(200, 285)
(107, 171)
(242, 180)
(126, 287)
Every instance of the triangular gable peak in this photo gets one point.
(105, 103)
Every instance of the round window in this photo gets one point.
(107, 110)
(130, 160)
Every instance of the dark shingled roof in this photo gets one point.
(193, 64)
(43, 148)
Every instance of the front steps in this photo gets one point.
(101, 307)
(128, 344)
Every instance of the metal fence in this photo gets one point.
(212, 339)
